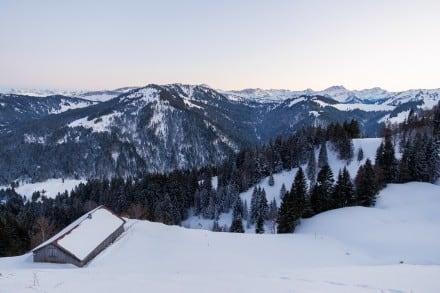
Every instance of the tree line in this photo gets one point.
(170, 198)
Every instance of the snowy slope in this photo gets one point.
(368, 145)
(50, 188)
(333, 252)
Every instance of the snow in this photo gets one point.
(296, 101)
(65, 105)
(397, 119)
(191, 105)
(144, 96)
(345, 250)
(99, 124)
(91, 232)
(368, 145)
(360, 106)
(51, 187)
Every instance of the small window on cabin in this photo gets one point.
(52, 252)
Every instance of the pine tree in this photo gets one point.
(273, 210)
(292, 204)
(343, 194)
(283, 191)
(323, 157)
(360, 155)
(299, 191)
(386, 160)
(311, 166)
(271, 180)
(286, 217)
(237, 213)
(366, 186)
(259, 228)
(322, 191)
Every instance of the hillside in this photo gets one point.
(368, 145)
(350, 250)
(159, 128)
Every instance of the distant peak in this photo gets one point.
(336, 88)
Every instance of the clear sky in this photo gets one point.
(228, 44)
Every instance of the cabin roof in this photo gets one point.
(83, 235)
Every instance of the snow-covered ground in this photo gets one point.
(346, 250)
(50, 187)
(368, 145)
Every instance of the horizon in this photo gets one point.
(6, 90)
(230, 45)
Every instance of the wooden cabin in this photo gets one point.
(82, 240)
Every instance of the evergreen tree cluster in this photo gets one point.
(419, 137)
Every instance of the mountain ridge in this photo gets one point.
(158, 128)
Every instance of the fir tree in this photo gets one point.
(360, 154)
(283, 191)
(259, 228)
(299, 191)
(286, 217)
(366, 186)
(311, 166)
(321, 193)
(271, 180)
(237, 213)
(343, 194)
(386, 160)
(322, 157)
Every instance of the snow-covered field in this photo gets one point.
(345, 250)
(50, 188)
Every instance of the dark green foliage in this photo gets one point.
(271, 180)
(292, 205)
(386, 160)
(311, 167)
(259, 206)
(323, 157)
(286, 215)
(259, 228)
(299, 191)
(360, 155)
(343, 193)
(237, 214)
(366, 185)
(322, 190)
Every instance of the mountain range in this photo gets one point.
(158, 128)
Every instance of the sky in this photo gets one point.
(227, 44)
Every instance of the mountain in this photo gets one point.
(158, 128)
(15, 109)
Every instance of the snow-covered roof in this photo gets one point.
(83, 235)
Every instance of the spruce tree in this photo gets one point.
(386, 160)
(360, 154)
(286, 217)
(311, 166)
(283, 191)
(322, 191)
(343, 194)
(323, 157)
(366, 185)
(299, 191)
(237, 213)
(271, 180)
(259, 228)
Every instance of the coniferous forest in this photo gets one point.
(170, 198)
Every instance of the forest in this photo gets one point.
(170, 198)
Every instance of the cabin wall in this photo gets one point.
(52, 253)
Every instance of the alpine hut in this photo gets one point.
(82, 240)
